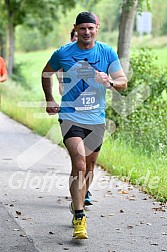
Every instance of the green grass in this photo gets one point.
(162, 56)
(14, 94)
(31, 65)
(119, 159)
(157, 44)
(132, 166)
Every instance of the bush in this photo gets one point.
(145, 127)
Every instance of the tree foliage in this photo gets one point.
(140, 6)
(44, 16)
(18, 11)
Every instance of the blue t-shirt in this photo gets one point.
(83, 99)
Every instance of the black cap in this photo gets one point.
(85, 17)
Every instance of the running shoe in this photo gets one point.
(88, 200)
(80, 228)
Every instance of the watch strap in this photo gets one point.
(111, 84)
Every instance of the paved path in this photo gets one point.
(34, 202)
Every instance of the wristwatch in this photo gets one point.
(111, 84)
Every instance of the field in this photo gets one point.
(162, 56)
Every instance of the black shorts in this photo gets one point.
(92, 135)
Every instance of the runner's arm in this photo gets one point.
(47, 83)
(118, 81)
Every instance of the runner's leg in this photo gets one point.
(78, 172)
(90, 164)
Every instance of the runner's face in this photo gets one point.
(86, 33)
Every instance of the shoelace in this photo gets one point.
(79, 221)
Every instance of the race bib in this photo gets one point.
(86, 101)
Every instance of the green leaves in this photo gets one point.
(146, 127)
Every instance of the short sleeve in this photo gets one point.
(54, 61)
(115, 64)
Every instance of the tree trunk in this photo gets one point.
(10, 47)
(126, 28)
(125, 33)
(10, 38)
(1, 46)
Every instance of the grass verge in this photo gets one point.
(130, 165)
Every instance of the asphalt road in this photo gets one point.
(34, 200)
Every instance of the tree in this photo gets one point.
(2, 32)
(109, 12)
(159, 18)
(129, 8)
(1, 43)
(16, 12)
